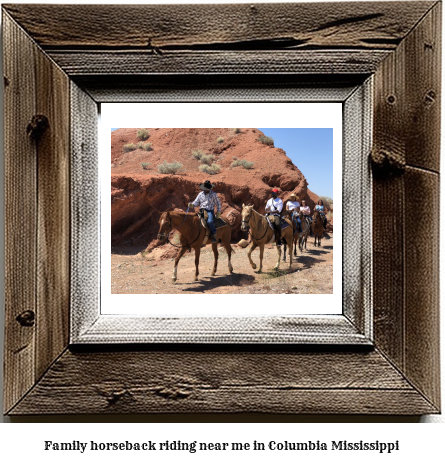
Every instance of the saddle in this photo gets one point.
(204, 216)
(284, 223)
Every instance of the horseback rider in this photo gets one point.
(320, 208)
(306, 210)
(207, 200)
(273, 211)
(293, 206)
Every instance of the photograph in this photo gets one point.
(222, 210)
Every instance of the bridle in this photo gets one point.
(165, 236)
(248, 226)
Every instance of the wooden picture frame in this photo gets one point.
(59, 68)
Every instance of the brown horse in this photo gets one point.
(193, 235)
(261, 234)
(317, 227)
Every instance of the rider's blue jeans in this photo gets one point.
(210, 221)
(297, 219)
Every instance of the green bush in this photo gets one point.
(143, 134)
(169, 168)
(220, 140)
(213, 169)
(128, 148)
(147, 146)
(248, 165)
(208, 159)
(236, 130)
(266, 140)
(198, 154)
(145, 166)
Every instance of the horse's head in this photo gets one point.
(316, 217)
(165, 226)
(246, 214)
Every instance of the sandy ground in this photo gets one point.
(311, 273)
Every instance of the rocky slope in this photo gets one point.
(138, 195)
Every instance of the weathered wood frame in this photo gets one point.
(54, 65)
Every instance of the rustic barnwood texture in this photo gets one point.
(398, 42)
(218, 381)
(422, 364)
(53, 194)
(406, 132)
(37, 218)
(20, 213)
(373, 25)
(117, 62)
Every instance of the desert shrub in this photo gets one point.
(169, 168)
(208, 159)
(213, 169)
(143, 134)
(198, 154)
(145, 166)
(266, 140)
(248, 165)
(128, 148)
(236, 130)
(220, 140)
(147, 146)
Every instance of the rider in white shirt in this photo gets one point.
(273, 210)
(293, 206)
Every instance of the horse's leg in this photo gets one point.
(285, 248)
(197, 254)
(215, 255)
(249, 253)
(229, 253)
(178, 257)
(290, 238)
(261, 258)
(277, 266)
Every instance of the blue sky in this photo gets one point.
(311, 150)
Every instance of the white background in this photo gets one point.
(23, 442)
(218, 115)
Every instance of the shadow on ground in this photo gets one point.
(207, 284)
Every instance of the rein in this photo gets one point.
(253, 237)
(167, 235)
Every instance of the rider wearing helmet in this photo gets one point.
(208, 200)
(274, 206)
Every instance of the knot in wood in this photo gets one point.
(387, 162)
(37, 126)
(26, 318)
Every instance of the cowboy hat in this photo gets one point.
(294, 195)
(206, 186)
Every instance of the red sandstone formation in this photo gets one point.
(138, 195)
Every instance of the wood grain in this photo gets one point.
(406, 277)
(422, 281)
(341, 25)
(20, 212)
(399, 42)
(53, 227)
(222, 382)
(119, 62)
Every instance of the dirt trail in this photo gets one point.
(311, 273)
